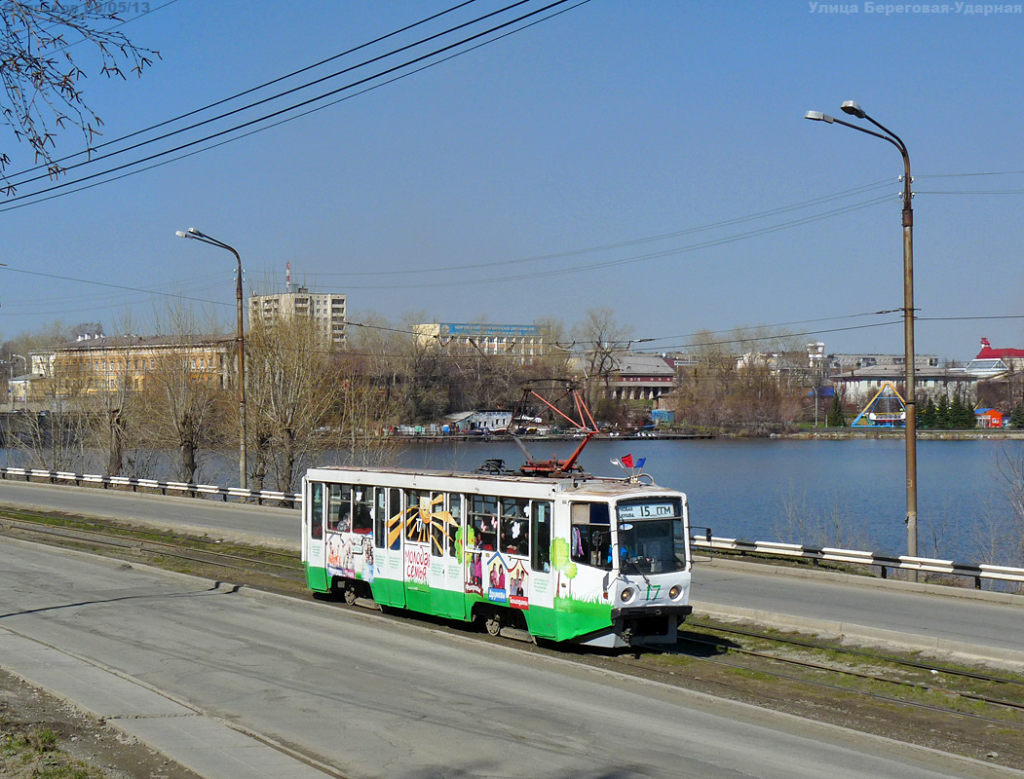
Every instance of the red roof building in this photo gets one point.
(988, 353)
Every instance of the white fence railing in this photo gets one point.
(163, 487)
(705, 542)
(884, 562)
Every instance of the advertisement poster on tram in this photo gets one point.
(496, 592)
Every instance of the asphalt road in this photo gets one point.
(914, 616)
(409, 702)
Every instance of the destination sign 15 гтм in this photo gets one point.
(646, 510)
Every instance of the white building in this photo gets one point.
(639, 376)
(860, 384)
(525, 342)
(327, 309)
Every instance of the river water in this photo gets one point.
(848, 493)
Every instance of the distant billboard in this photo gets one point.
(490, 331)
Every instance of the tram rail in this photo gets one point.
(746, 656)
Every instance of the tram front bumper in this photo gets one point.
(639, 612)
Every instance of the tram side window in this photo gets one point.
(417, 515)
(394, 524)
(590, 535)
(438, 524)
(540, 520)
(380, 515)
(515, 526)
(455, 510)
(483, 518)
(316, 513)
(339, 508)
(362, 513)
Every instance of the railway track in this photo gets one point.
(925, 684)
(789, 672)
(145, 543)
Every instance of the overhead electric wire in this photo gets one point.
(969, 175)
(285, 93)
(248, 91)
(93, 282)
(638, 258)
(972, 192)
(631, 242)
(753, 339)
(273, 114)
(965, 318)
(288, 119)
(610, 263)
(778, 324)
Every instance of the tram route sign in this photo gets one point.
(646, 510)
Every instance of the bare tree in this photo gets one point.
(41, 93)
(51, 433)
(292, 386)
(364, 412)
(598, 337)
(1010, 469)
(747, 381)
(183, 405)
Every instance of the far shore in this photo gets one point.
(812, 434)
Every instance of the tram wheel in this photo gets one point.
(350, 595)
(493, 623)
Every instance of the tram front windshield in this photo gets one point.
(651, 536)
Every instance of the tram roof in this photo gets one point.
(600, 485)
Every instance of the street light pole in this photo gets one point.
(852, 108)
(198, 236)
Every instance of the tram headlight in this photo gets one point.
(627, 594)
(676, 592)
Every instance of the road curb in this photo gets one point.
(856, 580)
(1004, 658)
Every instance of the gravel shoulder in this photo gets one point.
(41, 735)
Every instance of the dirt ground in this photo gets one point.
(83, 747)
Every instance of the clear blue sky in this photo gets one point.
(611, 123)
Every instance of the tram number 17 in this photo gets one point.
(653, 590)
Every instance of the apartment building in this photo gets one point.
(329, 310)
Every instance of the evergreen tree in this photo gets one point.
(942, 414)
(970, 419)
(926, 416)
(836, 417)
(956, 413)
(1017, 415)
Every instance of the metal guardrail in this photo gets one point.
(836, 555)
(163, 487)
(708, 542)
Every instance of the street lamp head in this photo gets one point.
(181, 234)
(851, 107)
(818, 116)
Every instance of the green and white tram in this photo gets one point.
(602, 562)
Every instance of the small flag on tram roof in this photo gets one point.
(640, 462)
(628, 461)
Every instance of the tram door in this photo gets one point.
(418, 510)
(445, 575)
(388, 532)
(313, 536)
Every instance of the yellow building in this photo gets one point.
(110, 364)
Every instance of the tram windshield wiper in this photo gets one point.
(636, 566)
